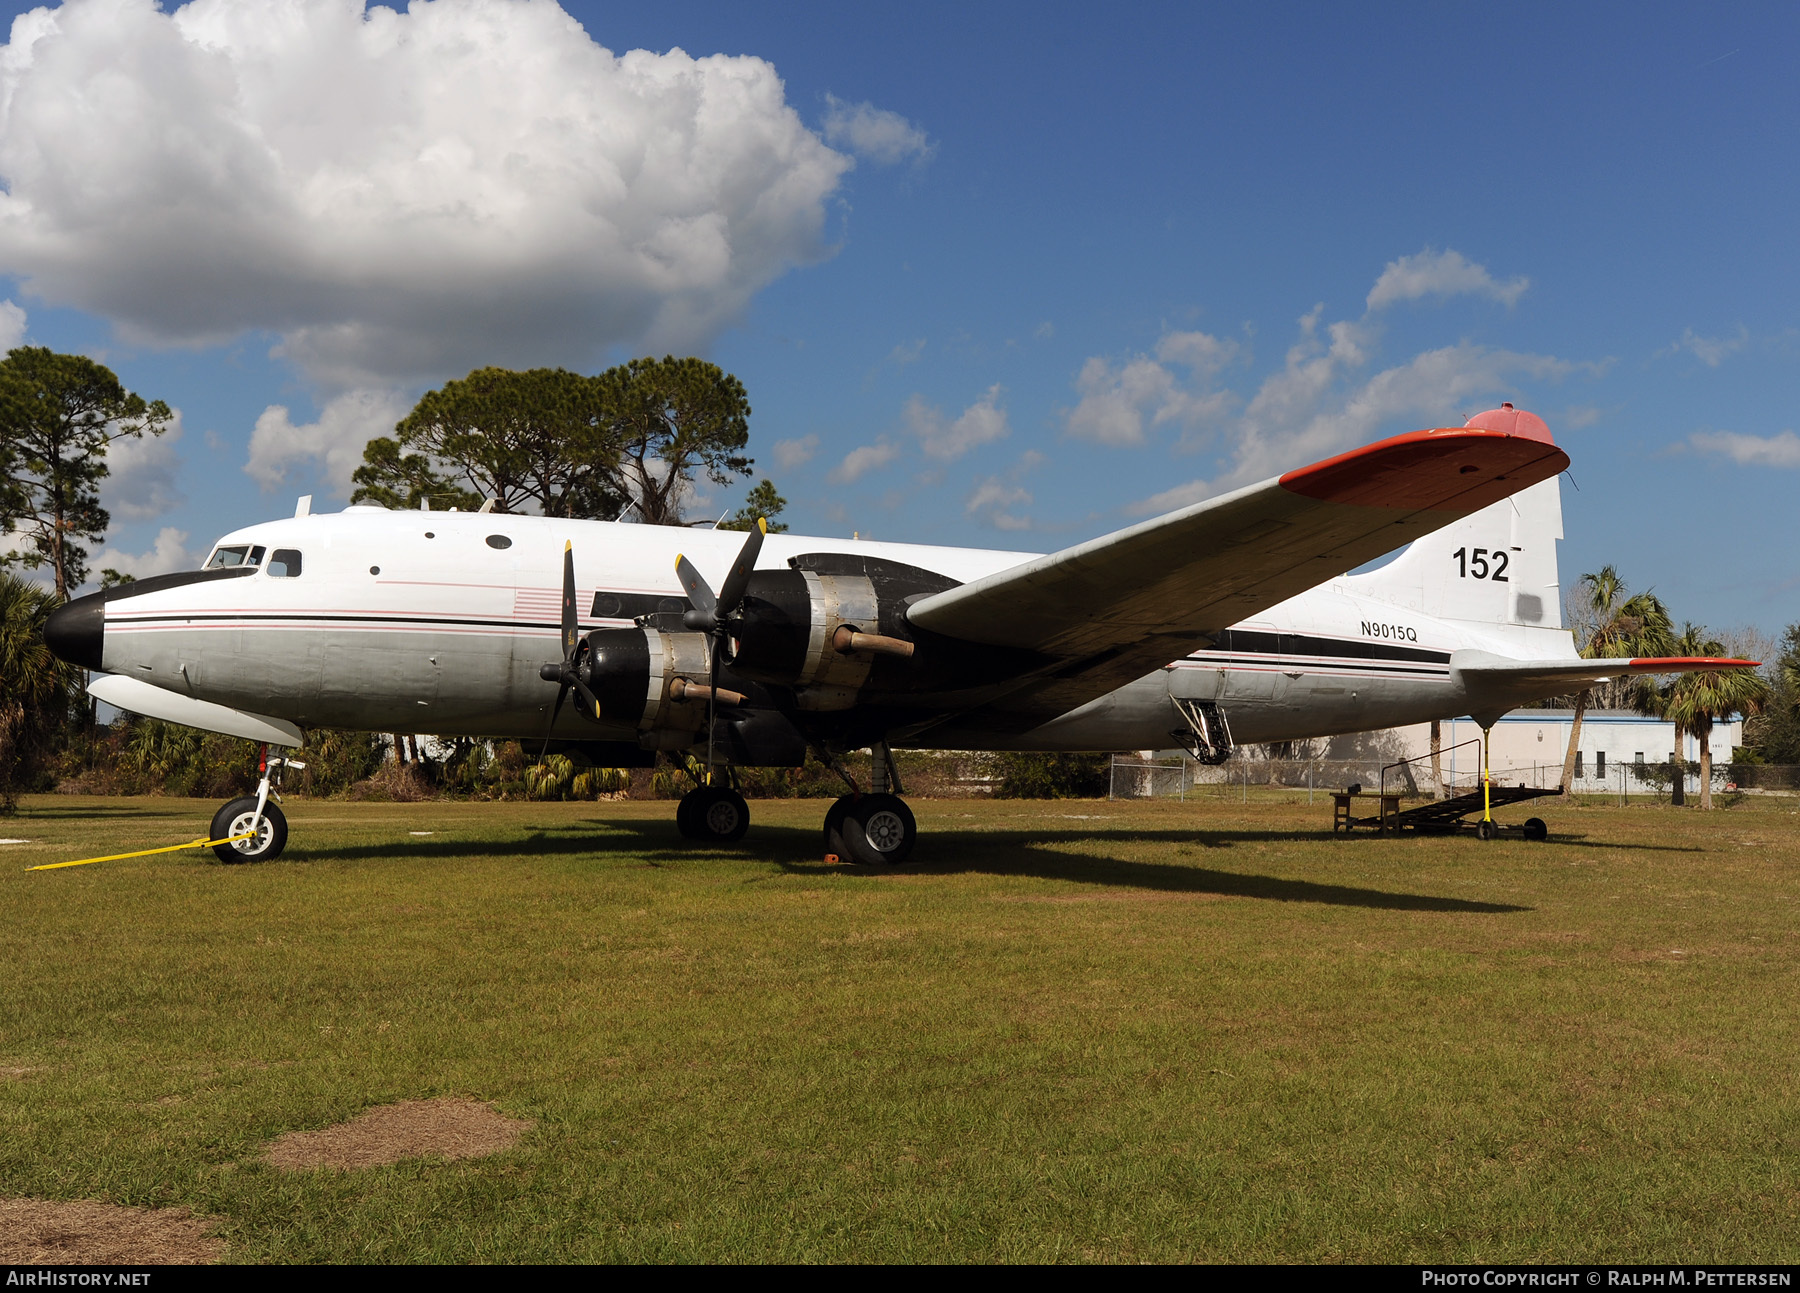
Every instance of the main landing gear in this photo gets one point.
(713, 815)
(876, 829)
(261, 824)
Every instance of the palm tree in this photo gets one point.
(1618, 627)
(1695, 701)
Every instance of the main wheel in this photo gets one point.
(714, 815)
(834, 827)
(235, 819)
(879, 830)
(1536, 828)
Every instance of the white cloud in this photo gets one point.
(1440, 273)
(1748, 450)
(881, 136)
(12, 326)
(1318, 404)
(399, 195)
(169, 553)
(1710, 351)
(906, 352)
(334, 443)
(142, 475)
(790, 454)
(994, 499)
(982, 422)
(859, 462)
(1117, 399)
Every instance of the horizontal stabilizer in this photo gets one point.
(140, 697)
(1551, 674)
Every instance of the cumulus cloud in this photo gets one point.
(790, 454)
(12, 326)
(334, 444)
(1442, 274)
(1319, 403)
(860, 461)
(399, 195)
(1710, 351)
(874, 133)
(142, 480)
(946, 438)
(993, 501)
(1749, 450)
(169, 553)
(1118, 400)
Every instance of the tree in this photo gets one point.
(35, 687)
(1695, 701)
(762, 502)
(524, 439)
(1776, 732)
(668, 419)
(58, 414)
(1616, 626)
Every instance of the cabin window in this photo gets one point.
(498, 541)
(285, 564)
(606, 606)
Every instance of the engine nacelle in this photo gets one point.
(634, 673)
(823, 626)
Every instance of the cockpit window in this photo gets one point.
(239, 555)
(285, 564)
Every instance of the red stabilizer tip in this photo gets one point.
(1448, 469)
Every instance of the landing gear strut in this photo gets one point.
(262, 823)
(876, 829)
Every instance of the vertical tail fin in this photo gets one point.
(1497, 566)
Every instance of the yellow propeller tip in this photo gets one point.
(762, 524)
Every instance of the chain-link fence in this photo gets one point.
(1179, 777)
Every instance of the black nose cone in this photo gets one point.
(77, 632)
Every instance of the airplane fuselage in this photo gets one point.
(439, 622)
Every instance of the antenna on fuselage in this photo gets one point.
(304, 506)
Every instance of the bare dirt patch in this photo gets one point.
(442, 1128)
(87, 1233)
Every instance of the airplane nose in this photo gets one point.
(77, 632)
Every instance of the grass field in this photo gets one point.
(1072, 1031)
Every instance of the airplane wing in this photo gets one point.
(1115, 608)
(1539, 676)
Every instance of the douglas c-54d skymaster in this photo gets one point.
(1231, 617)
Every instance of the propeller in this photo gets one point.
(711, 614)
(567, 671)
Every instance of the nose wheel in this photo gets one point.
(267, 831)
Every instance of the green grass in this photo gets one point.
(1073, 1031)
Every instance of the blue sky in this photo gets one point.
(1033, 271)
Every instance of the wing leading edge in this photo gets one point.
(1115, 608)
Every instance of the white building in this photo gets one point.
(1528, 745)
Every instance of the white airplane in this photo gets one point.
(1234, 617)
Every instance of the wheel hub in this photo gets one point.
(255, 843)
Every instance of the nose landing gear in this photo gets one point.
(261, 825)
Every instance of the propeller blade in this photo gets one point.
(571, 624)
(699, 592)
(732, 592)
(562, 693)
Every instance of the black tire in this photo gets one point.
(834, 828)
(718, 815)
(1485, 830)
(879, 830)
(684, 815)
(235, 817)
(1536, 828)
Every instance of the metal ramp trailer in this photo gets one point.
(1442, 816)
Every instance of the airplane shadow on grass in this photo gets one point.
(797, 851)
